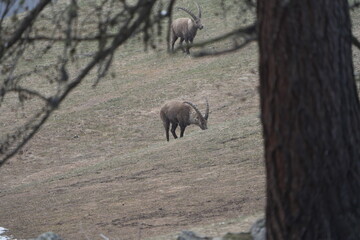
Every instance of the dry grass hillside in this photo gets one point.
(102, 165)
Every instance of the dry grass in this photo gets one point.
(101, 164)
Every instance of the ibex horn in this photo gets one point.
(195, 108)
(188, 11)
(207, 110)
(199, 9)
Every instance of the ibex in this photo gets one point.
(180, 113)
(186, 28)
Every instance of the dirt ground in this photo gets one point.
(138, 195)
(132, 202)
(101, 164)
(98, 167)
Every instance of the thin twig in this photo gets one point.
(29, 92)
(248, 32)
(13, 143)
(233, 49)
(24, 25)
(355, 41)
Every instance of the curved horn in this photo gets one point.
(199, 9)
(195, 108)
(207, 110)
(188, 12)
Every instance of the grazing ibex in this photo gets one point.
(180, 113)
(186, 28)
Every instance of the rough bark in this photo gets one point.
(311, 120)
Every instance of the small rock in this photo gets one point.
(189, 235)
(48, 236)
(258, 230)
(237, 236)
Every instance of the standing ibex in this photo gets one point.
(180, 113)
(186, 28)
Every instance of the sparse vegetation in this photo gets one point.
(100, 164)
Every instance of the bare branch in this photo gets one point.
(233, 49)
(29, 92)
(250, 3)
(23, 135)
(12, 143)
(168, 14)
(103, 68)
(24, 25)
(355, 42)
(354, 6)
(62, 39)
(249, 31)
(113, 27)
(8, 5)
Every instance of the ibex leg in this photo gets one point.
(187, 47)
(167, 127)
(173, 129)
(181, 46)
(182, 130)
(174, 38)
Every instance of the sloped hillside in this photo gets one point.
(102, 165)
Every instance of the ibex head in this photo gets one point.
(197, 19)
(199, 119)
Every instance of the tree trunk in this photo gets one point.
(311, 120)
